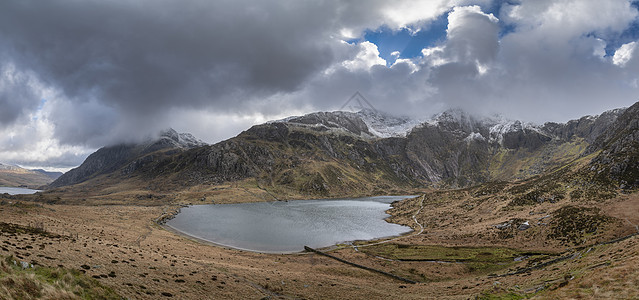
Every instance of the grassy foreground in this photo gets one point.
(20, 280)
(475, 244)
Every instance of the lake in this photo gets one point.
(16, 190)
(286, 227)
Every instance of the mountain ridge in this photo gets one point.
(330, 154)
(14, 176)
(131, 156)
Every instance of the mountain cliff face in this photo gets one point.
(289, 158)
(459, 150)
(619, 159)
(343, 153)
(606, 162)
(127, 158)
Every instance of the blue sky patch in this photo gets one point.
(409, 45)
(630, 34)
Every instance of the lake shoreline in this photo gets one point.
(336, 245)
(200, 240)
(14, 190)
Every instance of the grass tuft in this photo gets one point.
(48, 283)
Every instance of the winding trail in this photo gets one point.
(421, 229)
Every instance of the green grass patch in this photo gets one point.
(479, 255)
(478, 260)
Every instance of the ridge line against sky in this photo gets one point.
(78, 75)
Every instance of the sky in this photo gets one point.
(77, 75)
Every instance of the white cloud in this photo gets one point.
(413, 15)
(472, 35)
(32, 143)
(624, 54)
(565, 19)
(402, 14)
(410, 13)
(367, 57)
(434, 56)
(405, 61)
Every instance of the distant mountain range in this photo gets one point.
(52, 175)
(15, 176)
(328, 154)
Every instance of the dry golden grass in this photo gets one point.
(147, 261)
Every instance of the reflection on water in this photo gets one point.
(288, 226)
(16, 190)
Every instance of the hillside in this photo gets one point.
(14, 176)
(331, 154)
(52, 175)
(128, 156)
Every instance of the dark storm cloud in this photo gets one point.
(87, 123)
(18, 94)
(142, 59)
(149, 55)
(118, 70)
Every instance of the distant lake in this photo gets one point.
(286, 227)
(16, 190)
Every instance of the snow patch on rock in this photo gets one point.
(385, 126)
(474, 136)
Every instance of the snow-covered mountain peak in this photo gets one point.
(370, 123)
(386, 125)
(453, 115)
(9, 167)
(366, 123)
(336, 121)
(178, 140)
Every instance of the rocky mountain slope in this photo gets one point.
(342, 153)
(126, 158)
(606, 169)
(15, 176)
(619, 158)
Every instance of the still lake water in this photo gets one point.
(16, 190)
(286, 227)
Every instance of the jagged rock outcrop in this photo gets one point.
(619, 159)
(588, 127)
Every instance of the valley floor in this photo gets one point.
(123, 248)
